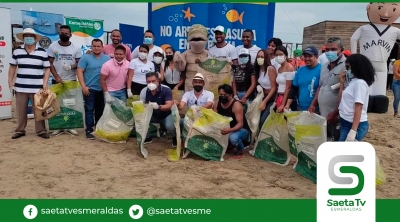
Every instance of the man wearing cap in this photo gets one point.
(158, 60)
(30, 62)
(223, 49)
(327, 95)
(198, 95)
(306, 81)
(247, 39)
(149, 41)
(322, 58)
(244, 78)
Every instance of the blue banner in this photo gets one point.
(170, 21)
(132, 36)
(45, 24)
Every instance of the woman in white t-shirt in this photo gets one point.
(138, 68)
(284, 77)
(266, 78)
(354, 100)
(172, 76)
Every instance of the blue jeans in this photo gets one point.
(241, 94)
(265, 114)
(93, 104)
(167, 121)
(345, 127)
(396, 93)
(237, 138)
(120, 94)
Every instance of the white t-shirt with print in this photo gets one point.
(67, 55)
(253, 52)
(140, 69)
(356, 92)
(227, 52)
(135, 53)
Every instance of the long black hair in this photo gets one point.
(361, 68)
(267, 63)
(166, 64)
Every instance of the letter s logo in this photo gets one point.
(346, 180)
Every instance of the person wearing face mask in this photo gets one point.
(114, 76)
(159, 97)
(244, 79)
(138, 68)
(266, 75)
(172, 76)
(149, 41)
(355, 98)
(31, 64)
(64, 58)
(306, 81)
(284, 77)
(158, 60)
(239, 136)
(247, 39)
(327, 94)
(272, 44)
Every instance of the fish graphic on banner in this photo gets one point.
(170, 21)
(45, 24)
(84, 31)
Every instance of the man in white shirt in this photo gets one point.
(64, 57)
(222, 49)
(247, 39)
(149, 41)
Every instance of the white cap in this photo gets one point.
(20, 36)
(219, 28)
(199, 76)
(244, 51)
(159, 50)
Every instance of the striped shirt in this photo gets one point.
(30, 69)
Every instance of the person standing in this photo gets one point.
(390, 75)
(88, 72)
(114, 75)
(272, 44)
(396, 88)
(138, 68)
(116, 38)
(222, 49)
(247, 39)
(149, 41)
(64, 57)
(29, 62)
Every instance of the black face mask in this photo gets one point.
(64, 38)
(223, 99)
(169, 57)
(198, 88)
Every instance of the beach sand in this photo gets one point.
(74, 167)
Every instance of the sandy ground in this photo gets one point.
(74, 167)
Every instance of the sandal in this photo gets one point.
(238, 155)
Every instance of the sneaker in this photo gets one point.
(89, 135)
(57, 132)
(174, 142)
(148, 140)
(72, 132)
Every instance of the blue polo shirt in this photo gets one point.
(92, 66)
(307, 79)
(163, 94)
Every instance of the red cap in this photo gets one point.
(347, 52)
(323, 48)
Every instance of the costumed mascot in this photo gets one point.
(376, 41)
(187, 61)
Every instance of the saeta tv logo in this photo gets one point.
(346, 181)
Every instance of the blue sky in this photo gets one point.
(290, 18)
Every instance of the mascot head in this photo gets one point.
(383, 13)
(197, 37)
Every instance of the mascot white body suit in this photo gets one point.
(376, 40)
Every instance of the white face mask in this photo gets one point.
(158, 59)
(152, 86)
(280, 59)
(142, 55)
(260, 61)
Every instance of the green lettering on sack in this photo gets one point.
(66, 119)
(269, 151)
(213, 65)
(292, 145)
(306, 167)
(205, 147)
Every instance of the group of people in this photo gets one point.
(336, 88)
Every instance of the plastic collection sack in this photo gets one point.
(173, 155)
(129, 102)
(253, 114)
(216, 72)
(116, 123)
(205, 138)
(46, 105)
(292, 131)
(273, 143)
(380, 174)
(310, 134)
(70, 97)
(192, 114)
(142, 115)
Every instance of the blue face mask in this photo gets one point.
(148, 41)
(29, 40)
(331, 56)
(349, 74)
(243, 60)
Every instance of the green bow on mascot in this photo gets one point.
(187, 61)
(376, 41)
